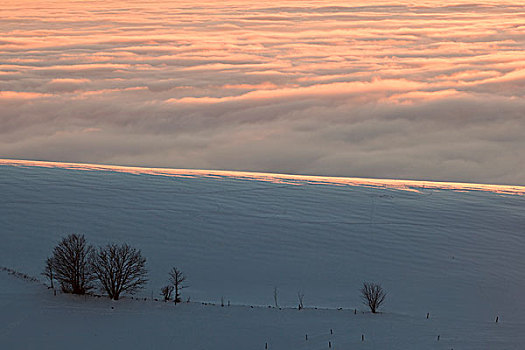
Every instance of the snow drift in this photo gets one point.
(452, 250)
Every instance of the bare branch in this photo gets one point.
(166, 292)
(48, 271)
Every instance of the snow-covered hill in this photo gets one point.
(452, 250)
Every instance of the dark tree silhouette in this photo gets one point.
(300, 297)
(69, 264)
(166, 292)
(48, 271)
(373, 295)
(177, 279)
(119, 269)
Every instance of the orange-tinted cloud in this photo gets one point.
(414, 89)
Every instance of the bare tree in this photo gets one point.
(275, 297)
(69, 264)
(373, 295)
(177, 279)
(48, 271)
(300, 296)
(166, 292)
(119, 269)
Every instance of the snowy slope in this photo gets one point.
(455, 251)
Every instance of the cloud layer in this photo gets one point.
(373, 89)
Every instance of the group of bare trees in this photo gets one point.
(115, 269)
(79, 267)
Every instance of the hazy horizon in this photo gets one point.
(410, 185)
